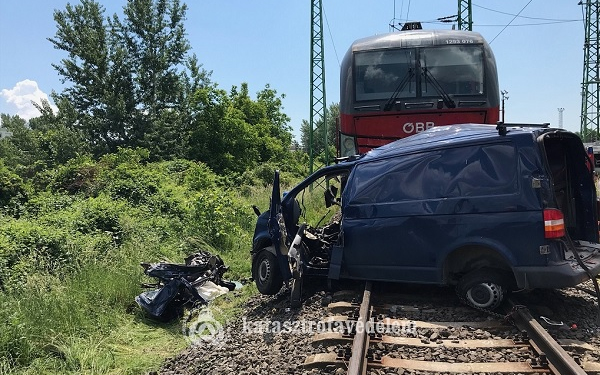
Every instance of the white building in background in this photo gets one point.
(4, 132)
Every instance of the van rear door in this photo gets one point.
(572, 188)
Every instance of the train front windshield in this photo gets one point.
(379, 73)
(458, 69)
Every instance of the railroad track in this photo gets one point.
(371, 338)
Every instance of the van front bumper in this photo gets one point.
(556, 275)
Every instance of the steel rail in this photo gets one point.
(559, 361)
(358, 359)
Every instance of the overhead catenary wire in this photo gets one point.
(394, 19)
(582, 15)
(331, 37)
(514, 18)
(519, 16)
(440, 22)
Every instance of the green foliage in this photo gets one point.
(89, 192)
(198, 176)
(52, 328)
(96, 70)
(219, 217)
(233, 133)
(69, 265)
(31, 248)
(319, 138)
(17, 149)
(13, 192)
(131, 77)
(78, 175)
(135, 185)
(290, 170)
(41, 144)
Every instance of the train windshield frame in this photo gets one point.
(378, 74)
(458, 69)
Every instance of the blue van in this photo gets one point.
(487, 209)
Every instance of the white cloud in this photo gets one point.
(19, 99)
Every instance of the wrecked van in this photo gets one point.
(487, 209)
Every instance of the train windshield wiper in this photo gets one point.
(440, 90)
(391, 101)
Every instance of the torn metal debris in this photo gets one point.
(197, 281)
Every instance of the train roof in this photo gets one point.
(416, 38)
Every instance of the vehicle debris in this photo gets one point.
(198, 281)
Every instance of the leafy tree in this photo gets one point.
(131, 79)
(101, 90)
(154, 35)
(20, 147)
(57, 142)
(220, 135)
(232, 133)
(333, 113)
(134, 84)
(44, 142)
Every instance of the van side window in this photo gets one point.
(459, 172)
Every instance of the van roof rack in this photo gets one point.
(501, 126)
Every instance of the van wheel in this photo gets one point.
(266, 273)
(484, 288)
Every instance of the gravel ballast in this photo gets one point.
(271, 338)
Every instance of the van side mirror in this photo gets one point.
(330, 196)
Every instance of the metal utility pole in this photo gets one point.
(465, 15)
(318, 109)
(504, 97)
(590, 100)
(560, 117)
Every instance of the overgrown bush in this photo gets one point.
(218, 217)
(30, 248)
(78, 175)
(69, 264)
(13, 192)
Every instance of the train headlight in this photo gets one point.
(348, 145)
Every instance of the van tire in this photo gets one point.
(266, 273)
(484, 288)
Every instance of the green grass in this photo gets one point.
(69, 264)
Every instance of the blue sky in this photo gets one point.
(268, 42)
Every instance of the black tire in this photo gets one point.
(484, 288)
(266, 273)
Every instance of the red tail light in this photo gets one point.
(554, 223)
